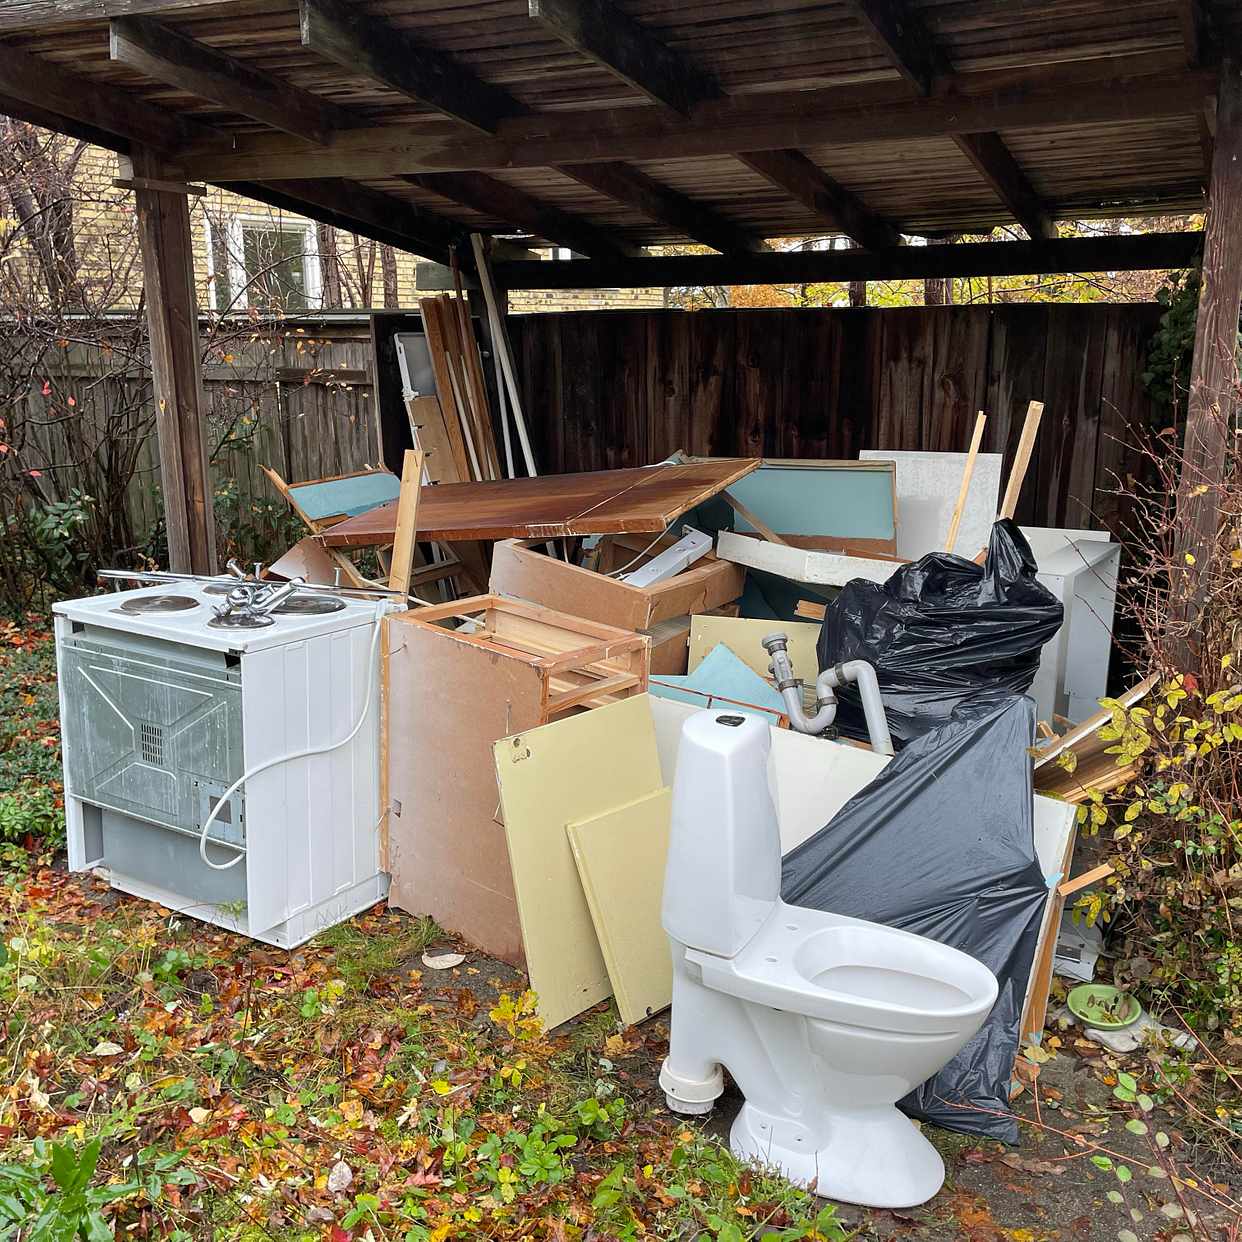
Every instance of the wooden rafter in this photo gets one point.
(599, 30)
(910, 46)
(377, 50)
(1126, 252)
(603, 33)
(657, 201)
(497, 198)
(165, 55)
(50, 91)
(372, 48)
(1043, 97)
(809, 185)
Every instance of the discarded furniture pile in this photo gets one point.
(772, 712)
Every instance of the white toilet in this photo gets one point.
(824, 1021)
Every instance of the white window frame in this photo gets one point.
(238, 277)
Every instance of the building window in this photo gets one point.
(266, 263)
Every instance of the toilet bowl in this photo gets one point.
(824, 1021)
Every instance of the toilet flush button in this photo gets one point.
(731, 721)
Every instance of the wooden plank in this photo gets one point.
(447, 389)
(443, 446)
(995, 163)
(620, 857)
(606, 35)
(165, 55)
(1212, 401)
(1017, 472)
(554, 506)
(757, 522)
(968, 471)
(897, 29)
(402, 564)
(563, 773)
(644, 194)
(172, 322)
(1132, 252)
(346, 35)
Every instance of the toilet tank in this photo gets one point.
(723, 874)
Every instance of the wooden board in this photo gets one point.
(550, 777)
(643, 499)
(620, 857)
(743, 636)
(802, 565)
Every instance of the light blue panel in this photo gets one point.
(722, 674)
(845, 502)
(348, 496)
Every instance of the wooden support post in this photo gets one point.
(1212, 400)
(172, 319)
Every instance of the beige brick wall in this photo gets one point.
(109, 252)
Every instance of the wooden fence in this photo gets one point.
(605, 389)
(620, 388)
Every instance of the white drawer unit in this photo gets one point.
(164, 712)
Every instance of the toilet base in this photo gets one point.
(876, 1158)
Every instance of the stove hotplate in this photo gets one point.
(157, 604)
(309, 606)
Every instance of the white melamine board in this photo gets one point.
(621, 856)
(818, 568)
(810, 778)
(549, 777)
(927, 489)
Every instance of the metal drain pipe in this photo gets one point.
(858, 672)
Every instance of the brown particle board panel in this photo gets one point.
(449, 695)
(638, 499)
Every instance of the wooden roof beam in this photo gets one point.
(1041, 98)
(606, 35)
(381, 52)
(809, 185)
(29, 82)
(602, 32)
(910, 46)
(1126, 252)
(165, 55)
(372, 48)
(358, 209)
(493, 197)
(657, 201)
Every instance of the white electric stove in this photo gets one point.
(164, 706)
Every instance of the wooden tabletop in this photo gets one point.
(643, 499)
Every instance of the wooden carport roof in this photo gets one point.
(606, 126)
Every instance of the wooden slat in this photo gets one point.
(645, 499)
(996, 164)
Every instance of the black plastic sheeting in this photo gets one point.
(939, 631)
(942, 843)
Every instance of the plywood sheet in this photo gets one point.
(620, 857)
(549, 777)
(643, 499)
(927, 490)
(744, 636)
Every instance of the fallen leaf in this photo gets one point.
(340, 1177)
(443, 961)
(106, 1048)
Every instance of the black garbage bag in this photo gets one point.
(941, 843)
(940, 630)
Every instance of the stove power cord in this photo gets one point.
(250, 773)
